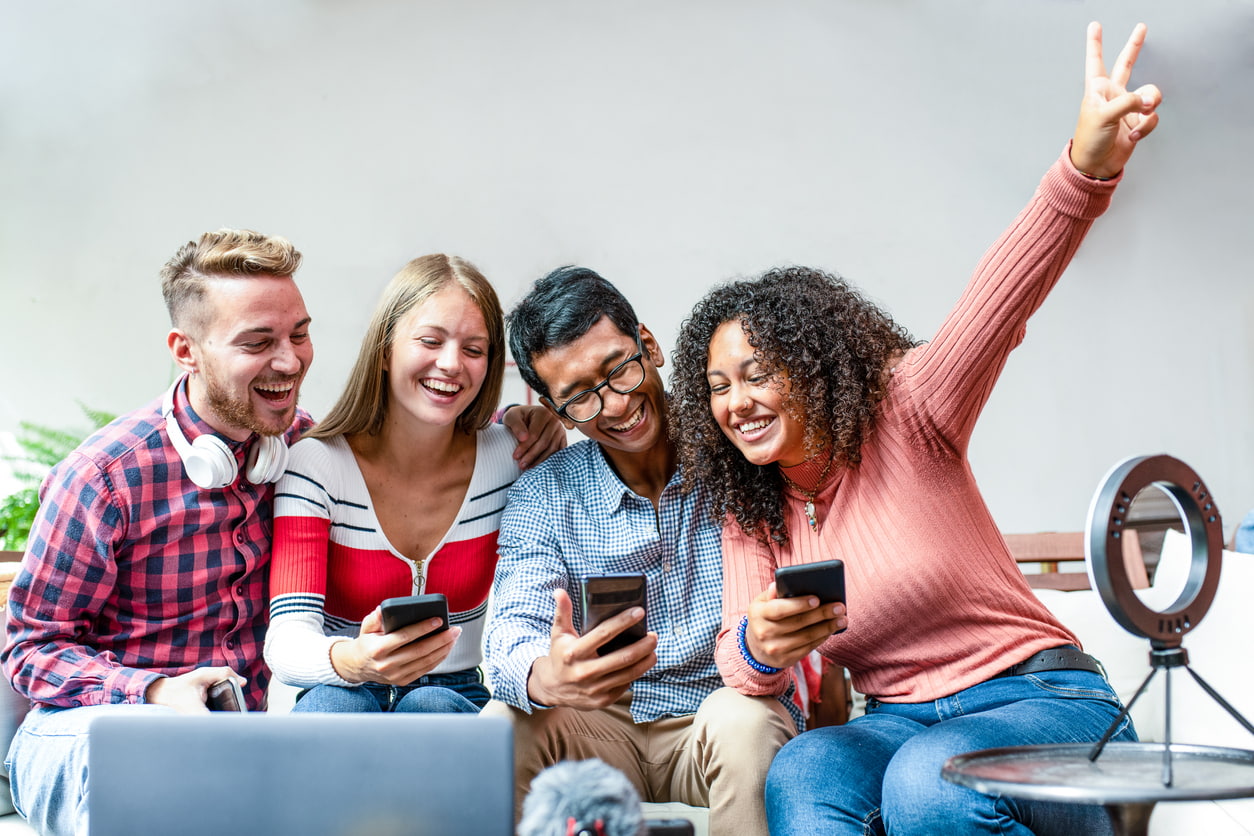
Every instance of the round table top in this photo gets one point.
(1124, 773)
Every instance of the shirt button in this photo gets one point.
(679, 629)
(239, 537)
(666, 567)
(230, 644)
(239, 590)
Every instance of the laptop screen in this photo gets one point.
(306, 774)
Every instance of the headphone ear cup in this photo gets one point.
(267, 461)
(210, 463)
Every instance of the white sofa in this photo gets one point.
(1217, 649)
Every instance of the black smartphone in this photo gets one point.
(410, 609)
(605, 596)
(824, 580)
(225, 695)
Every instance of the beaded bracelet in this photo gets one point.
(744, 650)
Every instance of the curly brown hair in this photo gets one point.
(833, 344)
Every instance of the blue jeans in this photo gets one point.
(460, 692)
(47, 764)
(881, 773)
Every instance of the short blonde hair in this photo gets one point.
(226, 253)
(363, 405)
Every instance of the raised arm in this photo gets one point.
(952, 376)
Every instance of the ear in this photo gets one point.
(566, 422)
(183, 350)
(651, 347)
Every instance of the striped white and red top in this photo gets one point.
(333, 564)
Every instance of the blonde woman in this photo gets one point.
(399, 491)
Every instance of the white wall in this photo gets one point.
(667, 144)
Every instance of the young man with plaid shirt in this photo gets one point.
(144, 580)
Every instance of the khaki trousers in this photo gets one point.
(716, 758)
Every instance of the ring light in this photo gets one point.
(1108, 531)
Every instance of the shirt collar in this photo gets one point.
(613, 492)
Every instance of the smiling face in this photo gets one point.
(633, 423)
(749, 402)
(247, 352)
(438, 358)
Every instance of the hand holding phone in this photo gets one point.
(226, 695)
(605, 596)
(410, 609)
(781, 630)
(824, 580)
(573, 675)
(376, 656)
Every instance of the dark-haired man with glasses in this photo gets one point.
(655, 709)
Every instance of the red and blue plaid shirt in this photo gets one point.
(133, 572)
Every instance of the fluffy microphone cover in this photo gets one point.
(585, 791)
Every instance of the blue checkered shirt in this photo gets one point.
(571, 516)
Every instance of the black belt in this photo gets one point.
(1065, 658)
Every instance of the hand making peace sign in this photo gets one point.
(1112, 119)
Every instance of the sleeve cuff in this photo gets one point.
(509, 681)
(1075, 194)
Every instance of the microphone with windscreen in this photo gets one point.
(582, 798)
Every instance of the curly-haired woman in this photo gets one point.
(824, 431)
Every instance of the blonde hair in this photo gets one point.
(227, 253)
(363, 405)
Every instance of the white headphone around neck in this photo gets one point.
(210, 462)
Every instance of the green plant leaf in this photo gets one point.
(17, 514)
(42, 447)
(97, 417)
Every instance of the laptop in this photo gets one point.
(306, 774)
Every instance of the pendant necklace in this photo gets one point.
(810, 494)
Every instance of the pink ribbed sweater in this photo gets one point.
(936, 602)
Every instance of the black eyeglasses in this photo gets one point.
(624, 379)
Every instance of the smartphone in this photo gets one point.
(605, 596)
(410, 609)
(825, 580)
(226, 695)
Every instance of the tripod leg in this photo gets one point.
(1110, 731)
(1167, 776)
(1215, 696)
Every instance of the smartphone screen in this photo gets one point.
(410, 609)
(605, 596)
